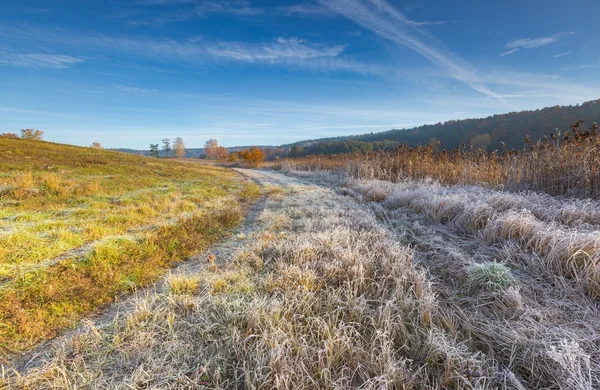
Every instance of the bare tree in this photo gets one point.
(179, 147)
(96, 145)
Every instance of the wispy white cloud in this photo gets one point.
(389, 23)
(508, 52)
(282, 49)
(540, 88)
(131, 88)
(588, 66)
(301, 9)
(36, 60)
(429, 23)
(289, 51)
(36, 113)
(193, 9)
(562, 54)
(196, 10)
(531, 43)
(195, 50)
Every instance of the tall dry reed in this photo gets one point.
(569, 165)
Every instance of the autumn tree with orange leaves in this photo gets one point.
(253, 156)
(211, 148)
(222, 153)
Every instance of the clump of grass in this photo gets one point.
(183, 284)
(574, 364)
(490, 275)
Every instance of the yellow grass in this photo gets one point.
(79, 226)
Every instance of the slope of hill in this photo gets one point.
(78, 226)
(486, 133)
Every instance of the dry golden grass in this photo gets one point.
(570, 166)
(372, 285)
(78, 226)
(515, 274)
(324, 300)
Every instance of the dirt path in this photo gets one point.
(223, 251)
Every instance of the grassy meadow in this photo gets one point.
(346, 275)
(79, 226)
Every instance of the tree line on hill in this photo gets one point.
(488, 134)
(252, 156)
(496, 132)
(178, 148)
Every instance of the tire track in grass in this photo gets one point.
(221, 251)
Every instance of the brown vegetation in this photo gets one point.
(179, 147)
(31, 134)
(253, 156)
(567, 165)
(211, 148)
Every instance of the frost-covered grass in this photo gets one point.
(533, 258)
(320, 296)
(353, 285)
(566, 244)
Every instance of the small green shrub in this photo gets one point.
(490, 276)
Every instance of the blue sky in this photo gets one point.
(128, 73)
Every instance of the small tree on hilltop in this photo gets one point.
(96, 145)
(9, 135)
(179, 147)
(166, 146)
(32, 134)
(154, 150)
(254, 156)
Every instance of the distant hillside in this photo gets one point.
(486, 133)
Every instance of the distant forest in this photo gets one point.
(485, 133)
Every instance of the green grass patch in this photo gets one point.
(490, 276)
(138, 215)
